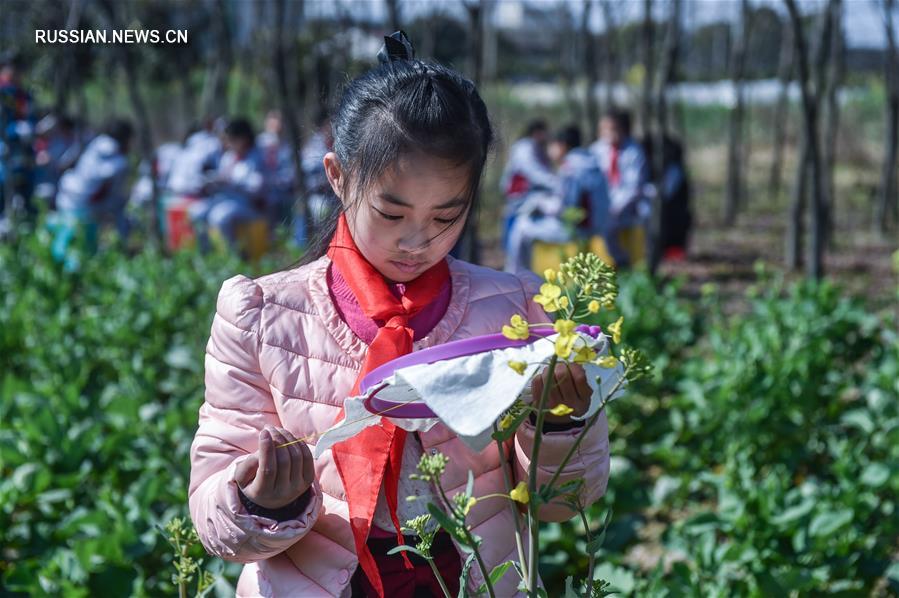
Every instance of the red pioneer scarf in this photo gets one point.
(614, 172)
(374, 455)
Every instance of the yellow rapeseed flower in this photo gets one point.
(517, 330)
(565, 344)
(561, 409)
(564, 327)
(550, 291)
(550, 275)
(593, 306)
(607, 361)
(518, 366)
(584, 354)
(549, 297)
(506, 421)
(615, 329)
(520, 493)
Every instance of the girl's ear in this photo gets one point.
(334, 173)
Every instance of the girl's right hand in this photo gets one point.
(275, 477)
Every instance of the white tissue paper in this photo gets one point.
(468, 394)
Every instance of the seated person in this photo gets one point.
(582, 184)
(279, 170)
(235, 194)
(197, 161)
(527, 169)
(56, 150)
(627, 172)
(677, 218)
(95, 189)
(581, 187)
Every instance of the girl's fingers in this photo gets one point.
(267, 463)
(245, 472)
(308, 464)
(537, 388)
(296, 458)
(282, 458)
(564, 388)
(582, 386)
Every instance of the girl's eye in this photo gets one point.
(387, 216)
(447, 220)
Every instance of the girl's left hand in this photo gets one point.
(570, 388)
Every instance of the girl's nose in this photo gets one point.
(413, 239)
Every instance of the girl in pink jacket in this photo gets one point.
(285, 350)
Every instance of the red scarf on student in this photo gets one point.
(374, 456)
(614, 172)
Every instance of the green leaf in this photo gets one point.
(447, 523)
(861, 419)
(407, 548)
(596, 543)
(621, 579)
(827, 523)
(463, 577)
(794, 513)
(469, 488)
(499, 571)
(875, 475)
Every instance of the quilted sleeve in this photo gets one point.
(238, 403)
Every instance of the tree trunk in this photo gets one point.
(469, 249)
(393, 15)
(291, 104)
(489, 42)
(834, 78)
(667, 75)
(796, 222)
(823, 56)
(569, 57)
(668, 71)
(214, 100)
(815, 260)
(591, 105)
(63, 73)
(736, 158)
(784, 75)
(144, 128)
(610, 52)
(887, 197)
(648, 59)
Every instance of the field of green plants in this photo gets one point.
(762, 457)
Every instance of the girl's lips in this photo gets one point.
(407, 267)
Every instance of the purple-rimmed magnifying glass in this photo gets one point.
(470, 346)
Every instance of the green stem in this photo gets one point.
(468, 537)
(182, 582)
(580, 437)
(439, 577)
(592, 560)
(533, 521)
(507, 478)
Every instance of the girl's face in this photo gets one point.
(410, 218)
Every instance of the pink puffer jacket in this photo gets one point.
(279, 354)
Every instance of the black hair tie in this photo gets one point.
(396, 47)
